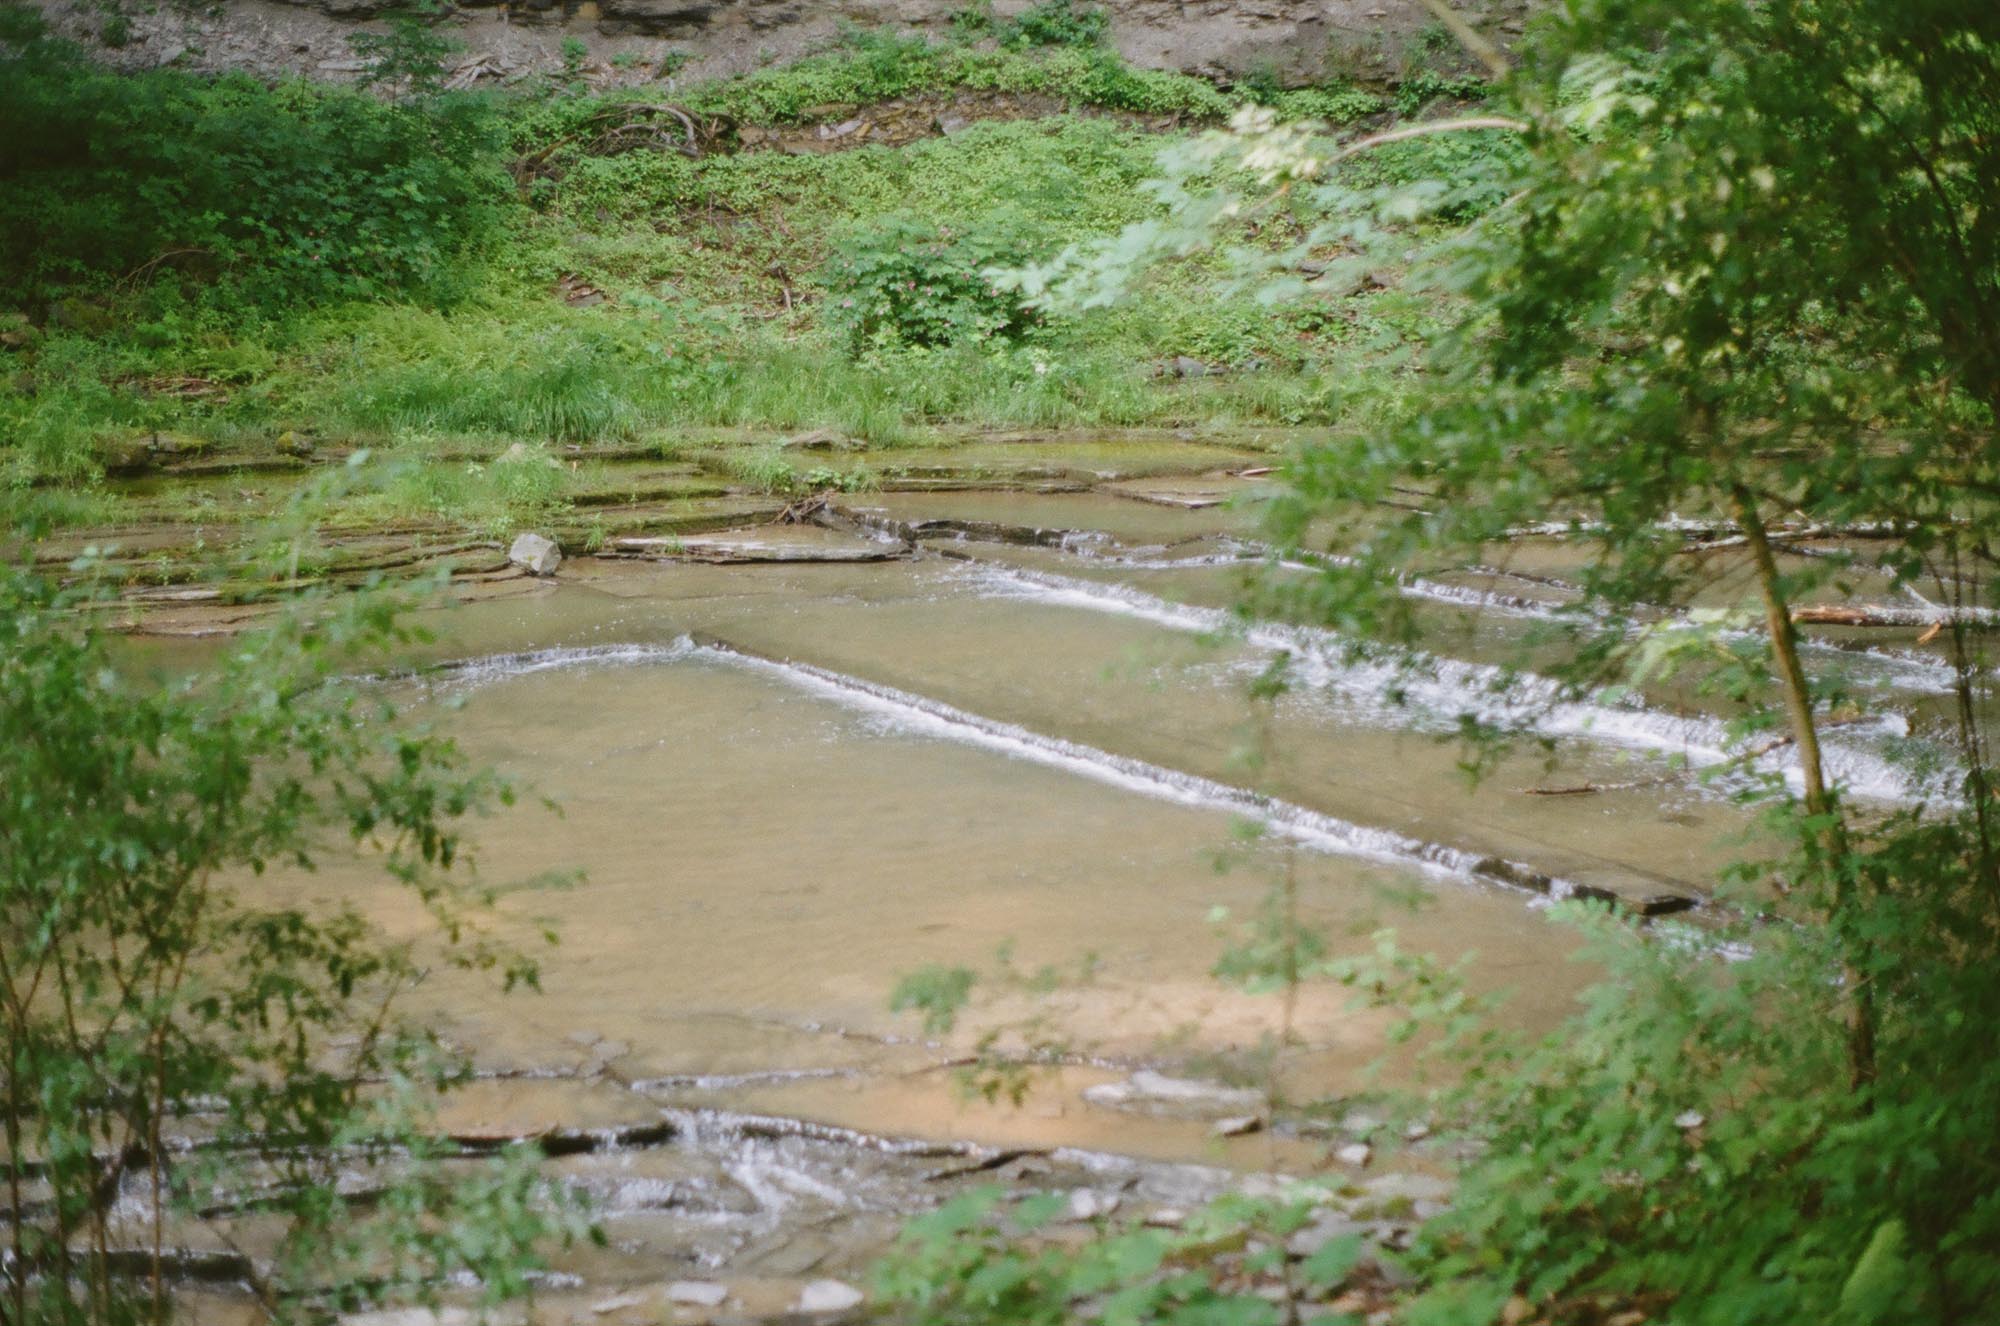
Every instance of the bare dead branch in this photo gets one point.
(1475, 45)
(1465, 125)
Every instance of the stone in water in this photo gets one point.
(828, 1296)
(697, 1293)
(535, 554)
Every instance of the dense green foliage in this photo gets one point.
(150, 1001)
(901, 281)
(719, 316)
(1056, 23)
(276, 195)
(872, 67)
(254, 260)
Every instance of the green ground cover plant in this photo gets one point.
(901, 281)
(265, 196)
(392, 287)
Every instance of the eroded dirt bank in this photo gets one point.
(639, 41)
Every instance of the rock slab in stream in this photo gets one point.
(536, 554)
(1156, 1093)
(429, 1317)
(1240, 1125)
(828, 1296)
(697, 1293)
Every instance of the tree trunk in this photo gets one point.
(1826, 843)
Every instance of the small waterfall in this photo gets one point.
(1432, 692)
(917, 715)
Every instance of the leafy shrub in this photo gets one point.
(1427, 85)
(1057, 23)
(903, 281)
(872, 67)
(281, 194)
(411, 53)
(973, 21)
(867, 67)
(139, 816)
(1472, 171)
(1094, 77)
(1335, 103)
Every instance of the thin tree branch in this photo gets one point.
(1425, 130)
(1475, 45)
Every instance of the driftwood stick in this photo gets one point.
(1890, 615)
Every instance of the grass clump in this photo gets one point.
(521, 486)
(559, 381)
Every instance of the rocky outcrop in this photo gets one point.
(628, 41)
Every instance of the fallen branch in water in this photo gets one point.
(1592, 789)
(1881, 614)
(1705, 534)
(806, 510)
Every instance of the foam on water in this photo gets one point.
(918, 715)
(499, 667)
(1901, 670)
(1434, 691)
(906, 714)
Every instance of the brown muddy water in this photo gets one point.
(791, 783)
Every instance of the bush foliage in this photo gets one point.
(282, 194)
(219, 1047)
(903, 281)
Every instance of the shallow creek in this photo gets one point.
(791, 783)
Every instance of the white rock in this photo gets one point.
(1690, 1119)
(828, 1296)
(521, 454)
(1237, 1125)
(697, 1293)
(1416, 1187)
(1085, 1204)
(618, 1303)
(1109, 1093)
(1147, 1089)
(1360, 1122)
(535, 554)
(1355, 1153)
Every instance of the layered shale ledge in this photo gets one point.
(1297, 41)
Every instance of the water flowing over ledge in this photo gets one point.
(907, 714)
(1432, 692)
